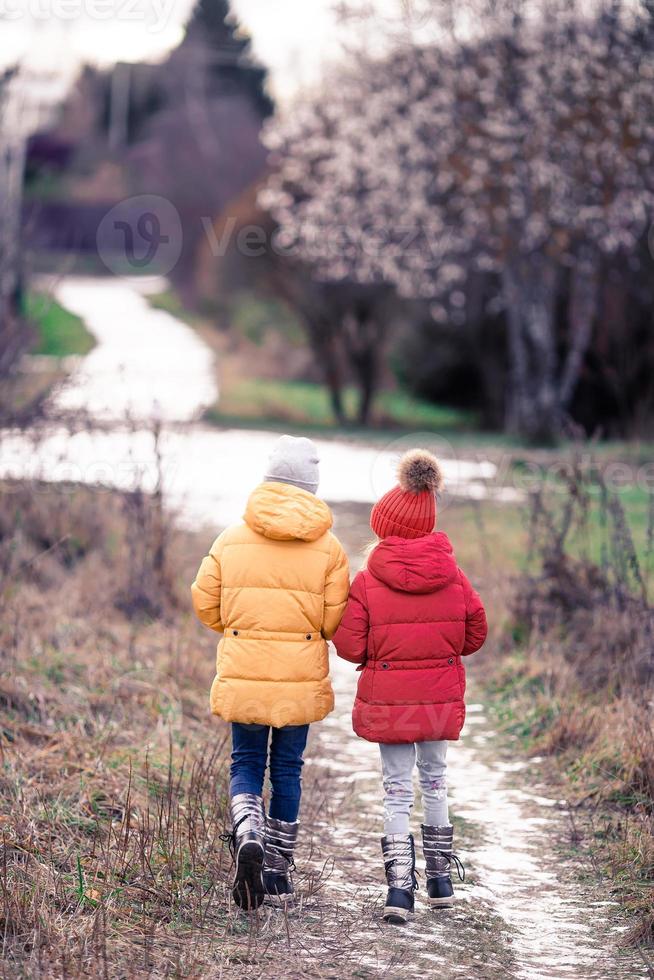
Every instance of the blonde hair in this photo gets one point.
(367, 550)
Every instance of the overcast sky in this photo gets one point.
(292, 37)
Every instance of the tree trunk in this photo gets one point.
(304, 296)
(581, 313)
(321, 335)
(363, 338)
(333, 381)
(367, 372)
(533, 407)
(13, 338)
(517, 392)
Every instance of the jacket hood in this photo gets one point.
(423, 564)
(286, 513)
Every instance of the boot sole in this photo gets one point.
(248, 891)
(397, 917)
(280, 901)
(441, 903)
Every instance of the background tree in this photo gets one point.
(232, 67)
(13, 140)
(202, 148)
(524, 153)
(343, 321)
(347, 314)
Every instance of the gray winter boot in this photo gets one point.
(247, 843)
(400, 865)
(439, 857)
(281, 838)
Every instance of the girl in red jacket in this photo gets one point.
(412, 614)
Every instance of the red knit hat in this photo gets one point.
(409, 510)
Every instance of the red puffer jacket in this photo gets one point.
(411, 615)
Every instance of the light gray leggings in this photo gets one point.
(398, 762)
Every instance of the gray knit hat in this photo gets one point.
(294, 460)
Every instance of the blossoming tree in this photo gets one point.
(524, 150)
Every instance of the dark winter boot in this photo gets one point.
(400, 864)
(439, 857)
(281, 838)
(247, 843)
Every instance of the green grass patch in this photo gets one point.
(601, 528)
(306, 405)
(169, 302)
(482, 530)
(488, 528)
(595, 541)
(253, 316)
(59, 332)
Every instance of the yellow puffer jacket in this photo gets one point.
(276, 587)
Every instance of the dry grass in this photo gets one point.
(581, 686)
(113, 775)
(24, 393)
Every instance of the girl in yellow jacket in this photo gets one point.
(275, 586)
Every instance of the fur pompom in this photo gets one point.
(418, 470)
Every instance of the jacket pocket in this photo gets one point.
(448, 679)
(462, 676)
(366, 682)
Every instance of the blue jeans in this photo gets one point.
(250, 758)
